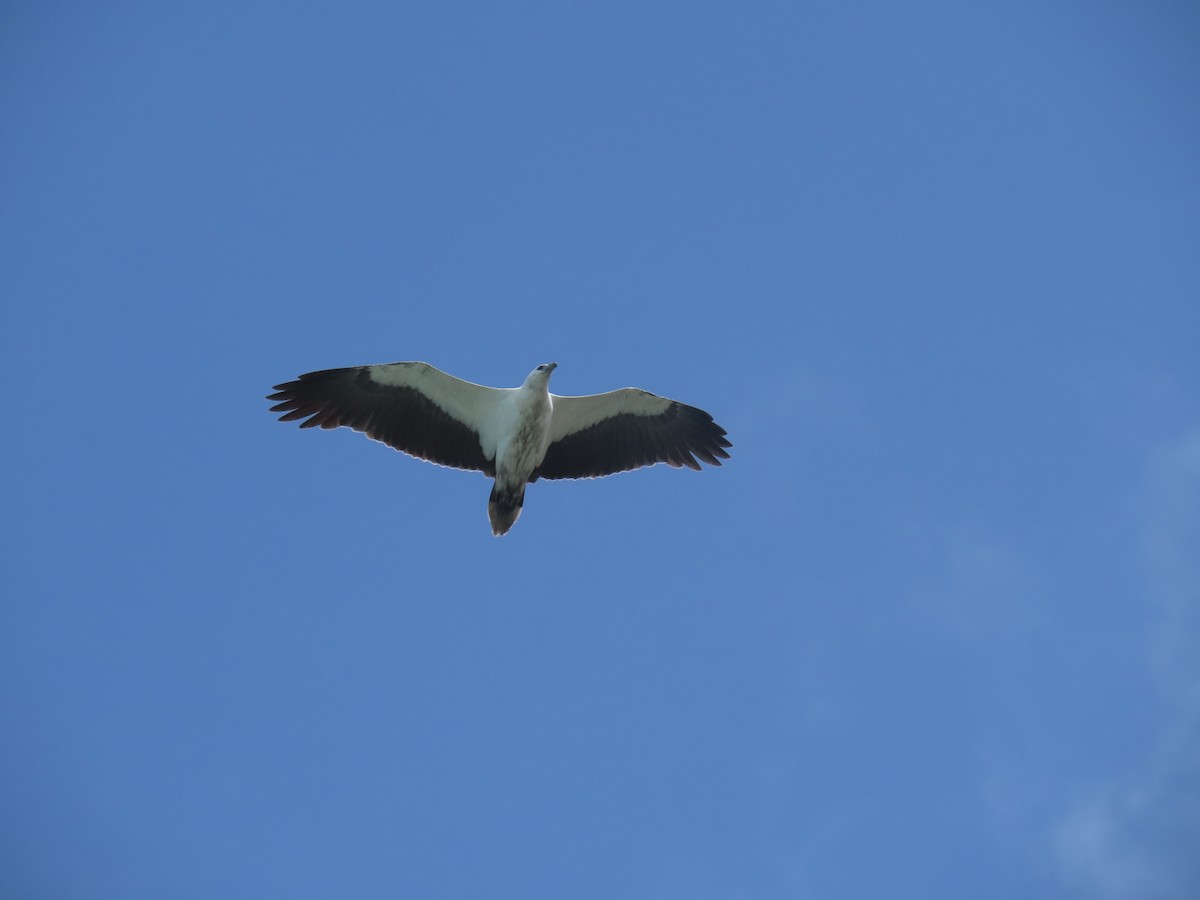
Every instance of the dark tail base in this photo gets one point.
(504, 507)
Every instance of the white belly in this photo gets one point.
(523, 447)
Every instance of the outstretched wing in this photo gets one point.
(411, 406)
(601, 434)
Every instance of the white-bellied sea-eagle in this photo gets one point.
(514, 435)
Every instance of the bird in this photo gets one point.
(513, 435)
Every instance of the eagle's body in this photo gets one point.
(514, 435)
(523, 434)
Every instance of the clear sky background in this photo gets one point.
(933, 631)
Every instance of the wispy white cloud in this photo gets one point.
(1106, 846)
(1171, 547)
(1139, 836)
(1126, 823)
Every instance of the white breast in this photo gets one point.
(523, 433)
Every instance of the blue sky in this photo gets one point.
(932, 632)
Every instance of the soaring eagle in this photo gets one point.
(514, 435)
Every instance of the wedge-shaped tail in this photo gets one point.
(504, 507)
